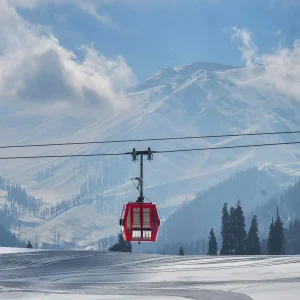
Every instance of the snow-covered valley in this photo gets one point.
(100, 275)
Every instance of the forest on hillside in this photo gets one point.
(8, 239)
(235, 240)
(192, 223)
(194, 219)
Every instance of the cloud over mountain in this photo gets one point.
(281, 68)
(35, 68)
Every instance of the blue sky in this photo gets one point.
(153, 36)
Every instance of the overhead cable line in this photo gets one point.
(150, 139)
(65, 155)
(158, 151)
(226, 147)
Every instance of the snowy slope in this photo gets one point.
(187, 100)
(82, 225)
(197, 99)
(101, 275)
(8, 250)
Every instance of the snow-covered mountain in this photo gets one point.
(196, 99)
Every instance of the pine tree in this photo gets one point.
(296, 237)
(253, 245)
(8, 239)
(212, 244)
(278, 236)
(276, 240)
(122, 245)
(181, 251)
(241, 234)
(270, 244)
(232, 227)
(225, 231)
(292, 237)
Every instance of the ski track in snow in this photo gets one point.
(93, 275)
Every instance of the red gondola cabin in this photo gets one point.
(139, 222)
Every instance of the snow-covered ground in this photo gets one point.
(83, 222)
(7, 250)
(93, 275)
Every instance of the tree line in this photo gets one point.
(292, 238)
(288, 202)
(18, 202)
(61, 206)
(235, 239)
(202, 211)
(9, 239)
(104, 204)
(114, 170)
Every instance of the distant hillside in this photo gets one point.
(8, 239)
(15, 202)
(195, 218)
(191, 100)
(289, 207)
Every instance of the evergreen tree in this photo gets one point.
(295, 235)
(241, 234)
(270, 244)
(292, 237)
(276, 240)
(121, 246)
(181, 251)
(225, 231)
(278, 236)
(8, 239)
(232, 228)
(253, 245)
(212, 244)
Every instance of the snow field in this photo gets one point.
(101, 275)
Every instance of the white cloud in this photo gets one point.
(248, 48)
(281, 68)
(90, 7)
(30, 4)
(35, 68)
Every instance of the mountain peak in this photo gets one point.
(186, 70)
(170, 73)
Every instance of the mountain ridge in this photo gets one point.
(182, 71)
(208, 102)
